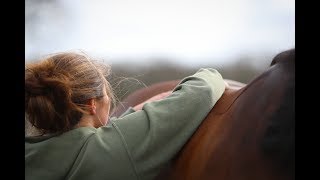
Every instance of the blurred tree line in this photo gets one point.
(126, 78)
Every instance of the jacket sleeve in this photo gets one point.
(128, 111)
(155, 134)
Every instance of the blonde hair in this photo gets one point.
(58, 87)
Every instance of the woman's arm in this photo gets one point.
(155, 134)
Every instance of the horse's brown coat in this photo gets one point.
(227, 145)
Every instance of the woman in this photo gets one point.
(68, 99)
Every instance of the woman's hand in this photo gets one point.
(226, 84)
(154, 98)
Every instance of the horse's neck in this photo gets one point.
(224, 146)
(227, 99)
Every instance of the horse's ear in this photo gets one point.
(288, 55)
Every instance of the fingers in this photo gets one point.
(164, 94)
(226, 84)
(154, 98)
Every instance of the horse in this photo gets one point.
(249, 133)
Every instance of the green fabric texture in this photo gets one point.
(137, 145)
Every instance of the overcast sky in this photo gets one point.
(193, 31)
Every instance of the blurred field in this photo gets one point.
(127, 78)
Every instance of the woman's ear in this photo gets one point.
(92, 106)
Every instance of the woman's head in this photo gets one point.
(59, 88)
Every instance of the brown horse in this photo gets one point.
(248, 135)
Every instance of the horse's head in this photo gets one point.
(278, 142)
(249, 134)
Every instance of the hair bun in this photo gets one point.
(49, 92)
(33, 87)
(54, 86)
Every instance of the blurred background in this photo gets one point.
(148, 41)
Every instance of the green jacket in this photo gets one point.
(135, 146)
